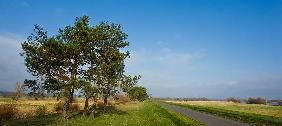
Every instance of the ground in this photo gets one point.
(147, 113)
(260, 115)
(275, 111)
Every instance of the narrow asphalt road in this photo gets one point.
(208, 120)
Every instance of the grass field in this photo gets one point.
(249, 113)
(27, 106)
(146, 113)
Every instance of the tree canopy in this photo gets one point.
(80, 57)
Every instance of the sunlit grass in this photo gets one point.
(146, 113)
(259, 115)
(136, 114)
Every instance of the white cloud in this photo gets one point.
(169, 73)
(162, 68)
(164, 57)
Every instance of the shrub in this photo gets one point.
(100, 104)
(258, 100)
(59, 107)
(232, 99)
(41, 110)
(122, 98)
(75, 107)
(111, 103)
(8, 111)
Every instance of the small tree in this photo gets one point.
(138, 93)
(19, 91)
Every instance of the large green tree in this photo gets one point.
(80, 57)
(110, 58)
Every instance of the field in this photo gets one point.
(27, 106)
(249, 113)
(146, 113)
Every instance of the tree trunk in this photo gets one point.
(66, 108)
(71, 94)
(92, 109)
(68, 101)
(105, 103)
(86, 106)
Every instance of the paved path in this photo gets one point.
(208, 120)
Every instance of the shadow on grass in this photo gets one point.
(57, 119)
(33, 121)
(110, 110)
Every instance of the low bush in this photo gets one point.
(75, 107)
(41, 110)
(8, 111)
(60, 106)
(111, 103)
(100, 104)
(232, 99)
(258, 100)
(122, 99)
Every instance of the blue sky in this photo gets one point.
(181, 48)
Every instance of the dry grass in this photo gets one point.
(275, 111)
(7, 111)
(27, 106)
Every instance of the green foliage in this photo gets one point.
(128, 82)
(41, 111)
(80, 57)
(36, 88)
(138, 93)
(255, 119)
(257, 100)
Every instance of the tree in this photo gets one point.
(57, 60)
(128, 82)
(36, 88)
(110, 60)
(19, 91)
(79, 57)
(138, 93)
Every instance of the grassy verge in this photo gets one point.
(146, 113)
(180, 120)
(275, 111)
(251, 118)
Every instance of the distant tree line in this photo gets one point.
(84, 58)
(250, 100)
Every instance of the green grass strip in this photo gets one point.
(251, 118)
